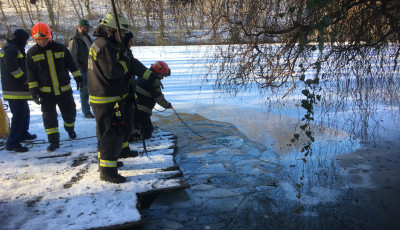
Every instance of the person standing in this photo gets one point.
(15, 89)
(107, 73)
(48, 63)
(136, 69)
(79, 48)
(148, 94)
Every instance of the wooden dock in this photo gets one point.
(41, 190)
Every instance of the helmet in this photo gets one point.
(41, 31)
(161, 67)
(109, 21)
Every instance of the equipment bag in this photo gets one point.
(4, 124)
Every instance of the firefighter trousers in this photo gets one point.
(109, 132)
(19, 122)
(144, 120)
(66, 104)
(128, 117)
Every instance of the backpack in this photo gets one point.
(4, 123)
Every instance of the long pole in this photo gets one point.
(134, 97)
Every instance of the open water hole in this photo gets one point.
(242, 183)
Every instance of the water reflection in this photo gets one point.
(237, 182)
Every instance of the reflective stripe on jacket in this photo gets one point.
(148, 94)
(106, 73)
(48, 69)
(13, 77)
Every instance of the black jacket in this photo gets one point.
(138, 69)
(13, 76)
(107, 70)
(48, 67)
(82, 49)
(149, 93)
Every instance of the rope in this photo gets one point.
(182, 122)
(30, 143)
(187, 125)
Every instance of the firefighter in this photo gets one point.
(79, 48)
(148, 94)
(15, 89)
(107, 77)
(48, 63)
(136, 69)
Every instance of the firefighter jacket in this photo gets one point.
(149, 93)
(138, 69)
(79, 49)
(107, 71)
(48, 67)
(13, 75)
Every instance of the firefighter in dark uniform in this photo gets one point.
(148, 94)
(15, 89)
(136, 69)
(48, 63)
(108, 92)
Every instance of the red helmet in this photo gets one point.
(41, 31)
(161, 68)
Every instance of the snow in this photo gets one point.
(39, 189)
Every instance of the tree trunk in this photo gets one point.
(147, 9)
(49, 5)
(28, 9)
(76, 9)
(160, 12)
(4, 18)
(89, 12)
(18, 10)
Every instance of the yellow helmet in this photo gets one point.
(109, 20)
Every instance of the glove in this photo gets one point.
(37, 99)
(79, 86)
(131, 84)
(79, 83)
(169, 106)
(131, 80)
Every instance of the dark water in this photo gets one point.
(237, 183)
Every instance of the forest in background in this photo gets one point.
(174, 22)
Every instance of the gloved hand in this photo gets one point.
(169, 106)
(131, 80)
(79, 86)
(37, 99)
(79, 83)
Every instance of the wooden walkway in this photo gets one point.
(63, 190)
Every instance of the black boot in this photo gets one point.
(53, 146)
(126, 152)
(72, 134)
(29, 137)
(111, 175)
(18, 148)
(135, 137)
